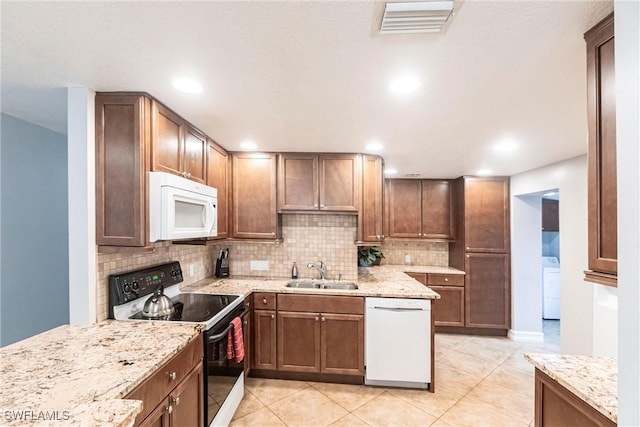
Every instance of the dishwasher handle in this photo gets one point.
(399, 308)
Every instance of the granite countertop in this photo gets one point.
(592, 379)
(388, 281)
(79, 375)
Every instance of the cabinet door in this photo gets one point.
(298, 341)
(437, 214)
(404, 210)
(264, 339)
(371, 211)
(166, 154)
(218, 175)
(602, 189)
(449, 309)
(254, 196)
(194, 164)
(298, 182)
(487, 293)
(187, 400)
(159, 417)
(122, 134)
(487, 214)
(550, 213)
(342, 344)
(339, 182)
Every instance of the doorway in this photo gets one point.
(550, 283)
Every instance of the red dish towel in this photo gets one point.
(235, 345)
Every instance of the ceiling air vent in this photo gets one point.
(415, 17)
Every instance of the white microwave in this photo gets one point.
(180, 208)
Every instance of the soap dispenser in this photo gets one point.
(294, 271)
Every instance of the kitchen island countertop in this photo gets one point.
(386, 281)
(592, 379)
(79, 375)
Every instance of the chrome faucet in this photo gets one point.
(320, 269)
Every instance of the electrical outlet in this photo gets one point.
(407, 258)
(259, 265)
(192, 270)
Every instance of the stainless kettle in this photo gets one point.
(158, 306)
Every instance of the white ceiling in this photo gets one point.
(314, 76)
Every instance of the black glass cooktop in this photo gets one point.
(196, 307)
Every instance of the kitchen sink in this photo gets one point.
(321, 284)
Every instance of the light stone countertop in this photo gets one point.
(592, 379)
(79, 375)
(388, 281)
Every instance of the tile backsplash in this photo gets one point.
(305, 238)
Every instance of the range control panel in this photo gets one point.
(137, 284)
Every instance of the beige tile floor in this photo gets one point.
(480, 381)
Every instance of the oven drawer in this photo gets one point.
(158, 386)
(264, 301)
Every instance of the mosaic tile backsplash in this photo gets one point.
(305, 239)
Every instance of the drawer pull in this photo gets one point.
(172, 375)
(264, 300)
(446, 279)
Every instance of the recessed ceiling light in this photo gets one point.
(390, 171)
(506, 145)
(187, 85)
(404, 84)
(484, 172)
(248, 145)
(374, 146)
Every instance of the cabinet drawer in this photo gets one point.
(156, 388)
(445, 280)
(321, 303)
(420, 277)
(264, 301)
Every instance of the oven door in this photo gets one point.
(222, 374)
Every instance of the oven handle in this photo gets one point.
(223, 334)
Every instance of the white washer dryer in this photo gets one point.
(550, 288)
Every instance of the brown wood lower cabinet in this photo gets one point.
(311, 334)
(247, 337)
(555, 406)
(173, 395)
(487, 293)
(264, 339)
(449, 309)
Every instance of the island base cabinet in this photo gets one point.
(342, 344)
(555, 406)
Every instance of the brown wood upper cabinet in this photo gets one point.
(324, 182)
(550, 219)
(219, 177)
(254, 196)
(419, 209)
(371, 210)
(177, 147)
(602, 190)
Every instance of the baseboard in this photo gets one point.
(523, 336)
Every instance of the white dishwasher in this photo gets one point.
(398, 342)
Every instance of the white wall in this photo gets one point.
(526, 247)
(576, 296)
(82, 206)
(627, 40)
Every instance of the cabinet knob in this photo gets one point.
(378, 237)
(315, 205)
(324, 319)
(188, 174)
(317, 318)
(322, 206)
(273, 316)
(172, 375)
(246, 323)
(248, 304)
(446, 279)
(176, 400)
(264, 300)
(169, 409)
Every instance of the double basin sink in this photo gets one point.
(321, 284)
